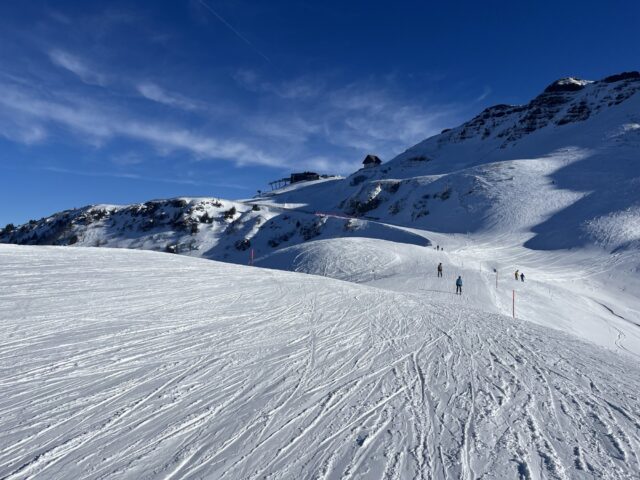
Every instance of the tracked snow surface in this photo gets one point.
(135, 364)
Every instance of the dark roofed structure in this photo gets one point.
(304, 177)
(371, 161)
(295, 178)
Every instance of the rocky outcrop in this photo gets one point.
(565, 101)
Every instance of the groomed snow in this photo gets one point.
(585, 293)
(134, 364)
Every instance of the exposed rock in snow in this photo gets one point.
(569, 84)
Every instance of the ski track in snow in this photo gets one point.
(129, 364)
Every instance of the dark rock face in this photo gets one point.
(622, 76)
(358, 207)
(576, 113)
(565, 101)
(488, 121)
(243, 244)
(540, 112)
(564, 85)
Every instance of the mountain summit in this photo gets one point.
(569, 106)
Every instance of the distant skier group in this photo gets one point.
(518, 275)
(458, 280)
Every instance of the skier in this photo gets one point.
(440, 270)
(437, 247)
(459, 285)
(517, 275)
(522, 277)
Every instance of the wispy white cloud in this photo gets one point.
(305, 87)
(485, 93)
(322, 163)
(155, 93)
(147, 89)
(145, 178)
(83, 117)
(315, 122)
(324, 121)
(22, 131)
(291, 127)
(59, 17)
(77, 66)
(357, 118)
(127, 159)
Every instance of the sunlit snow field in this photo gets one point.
(133, 364)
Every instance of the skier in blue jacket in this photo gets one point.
(459, 285)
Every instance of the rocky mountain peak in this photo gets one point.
(565, 101)
(569, 84)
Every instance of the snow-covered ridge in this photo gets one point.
(565, 101)
(560, 172)
(203, 227)
(549, 121)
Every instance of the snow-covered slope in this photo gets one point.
(588, 294)
(203, 227)
(133, 364)
(569, 112)
(562, 171)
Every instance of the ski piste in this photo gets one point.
(131, 363)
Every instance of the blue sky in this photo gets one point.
(125, 101)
